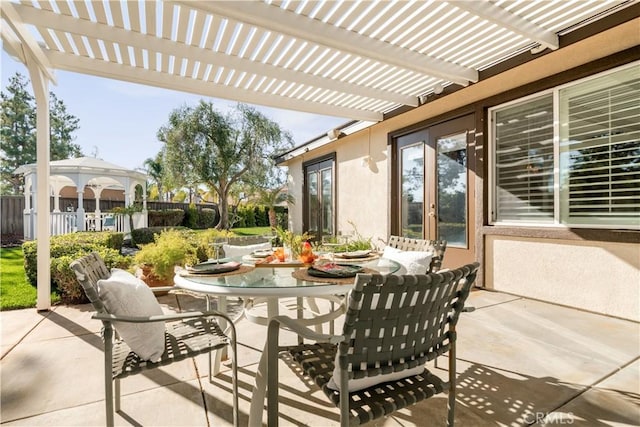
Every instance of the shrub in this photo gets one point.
(143, 236)
(191, 217)
(69, 244)
(203, 242)
(262, 216)
(207, 218)
(170, 248)
(249, 216)
(166, 218)
(66, 248)
(65, 279)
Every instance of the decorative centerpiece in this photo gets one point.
(295, 246)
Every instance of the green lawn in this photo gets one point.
(15, 290)
(252, 231)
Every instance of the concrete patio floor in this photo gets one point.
(518, 361)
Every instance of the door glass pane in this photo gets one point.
(314, 202)
(412, 189)
(327, 206)
(319, 216)
(452, 190)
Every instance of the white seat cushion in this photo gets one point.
(236, 251)
(411, 262)
(233, 251)
(124, 294)
(366, 382)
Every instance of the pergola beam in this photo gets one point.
(285, 22)
(501, 17)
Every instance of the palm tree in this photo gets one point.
(155, 169)
(270, 197)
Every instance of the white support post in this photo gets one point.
(40, 83)
(80, 211)
(28, 211)
(56, 201)
(145, 212)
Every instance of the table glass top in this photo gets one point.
(270, 278)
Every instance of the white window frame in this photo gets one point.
(492, 198)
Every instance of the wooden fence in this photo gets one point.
(11, 208)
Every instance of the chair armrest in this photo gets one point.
(303, 331)
(106, 317)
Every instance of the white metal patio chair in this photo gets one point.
(393, 326)
(186, 335)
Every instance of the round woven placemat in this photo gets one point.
(242, 270)
(302, 274)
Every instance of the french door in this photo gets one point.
(319, 200)
(433, 187)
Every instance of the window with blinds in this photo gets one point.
(589, 133)
(600, 150)
(524, 161)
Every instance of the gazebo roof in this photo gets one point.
(83, 164)
(96, 171)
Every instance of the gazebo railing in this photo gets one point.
(63, 223)
(67, 222)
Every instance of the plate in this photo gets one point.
(213, 267)
(332, 270)
(263, 253)
(354, 254)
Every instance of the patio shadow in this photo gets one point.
(486, 396)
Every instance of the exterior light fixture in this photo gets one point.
(335, 134)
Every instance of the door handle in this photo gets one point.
(432, 212)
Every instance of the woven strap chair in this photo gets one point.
(393, 323)
(438, 247)
(186, 335)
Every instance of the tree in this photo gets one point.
(155, 170)
(204, 146)
(270, 197)
(18, 131)
(62, 126)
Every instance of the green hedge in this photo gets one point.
(258, 216)
(207, 218)
(66, 248)
(166, 218)
(143, 236)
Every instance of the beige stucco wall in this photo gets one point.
(594, 276)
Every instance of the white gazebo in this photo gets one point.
(82, 173)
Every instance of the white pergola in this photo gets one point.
(354, 59)
(79, 172)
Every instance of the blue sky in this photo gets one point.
(119, 120)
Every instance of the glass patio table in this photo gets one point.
(267, 284)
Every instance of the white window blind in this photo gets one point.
(524, 161)
(600, 150)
